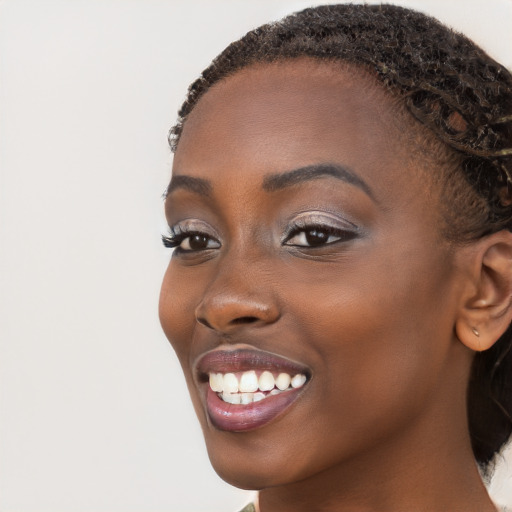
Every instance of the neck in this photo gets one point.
(386, 483)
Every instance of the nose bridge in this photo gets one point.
(240, 293)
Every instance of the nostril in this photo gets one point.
(241, 320)
(244, 320)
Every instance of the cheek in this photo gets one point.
(176, 311)
(381, 337)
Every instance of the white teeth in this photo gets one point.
(266, 381)
(249, 389)
(249, 382)
(298, 381)
(232, 398)
(230, 383)
(216, 382)
(247, 398)
(283, 381)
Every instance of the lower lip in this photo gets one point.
(240, 418)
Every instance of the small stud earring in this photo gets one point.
(475, 332)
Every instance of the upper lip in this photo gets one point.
(241, 359)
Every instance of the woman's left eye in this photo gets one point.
(316, 236)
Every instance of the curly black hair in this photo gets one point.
(454, 89)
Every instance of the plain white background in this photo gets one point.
(94, 413)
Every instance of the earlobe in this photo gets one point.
(470, 336)
(486, 310)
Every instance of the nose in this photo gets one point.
(233, 301)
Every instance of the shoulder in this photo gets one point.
(249, 508)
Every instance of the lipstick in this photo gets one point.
(245, 389)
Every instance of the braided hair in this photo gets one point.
(464, 100)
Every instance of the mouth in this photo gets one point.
(246, 388)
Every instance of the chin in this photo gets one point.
(247, 475)
(255, 462)
(242, 468)
(248, 482)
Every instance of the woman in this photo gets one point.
(340, 292)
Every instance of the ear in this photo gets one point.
(486, 309)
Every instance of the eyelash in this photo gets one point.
(173, 238)
(171, 241)
(178, 235)
(343, 235)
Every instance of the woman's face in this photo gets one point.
(308, 244)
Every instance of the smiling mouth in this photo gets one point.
(246, 388)
(253, 386)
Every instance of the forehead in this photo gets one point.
(274, 117)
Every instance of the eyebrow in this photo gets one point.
(275, 182)
(198, 185)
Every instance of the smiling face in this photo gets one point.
(309, 245)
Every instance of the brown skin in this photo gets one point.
(381, 425)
